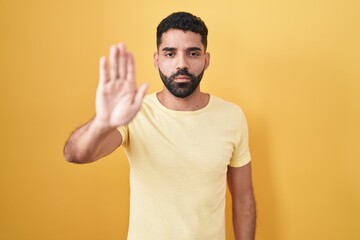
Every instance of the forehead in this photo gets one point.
(175, 38)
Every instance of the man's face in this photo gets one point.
(181, 61)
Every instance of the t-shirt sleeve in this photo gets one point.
(124, 131)
(241, 155)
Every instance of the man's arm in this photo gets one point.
(243, 202)
(91, 142)
(117, 102)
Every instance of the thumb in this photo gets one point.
(140, 94)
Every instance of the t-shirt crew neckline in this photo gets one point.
(159, 104)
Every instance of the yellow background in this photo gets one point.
(293, 66)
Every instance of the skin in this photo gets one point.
(243, 202)
(179, 49)
(118, 100)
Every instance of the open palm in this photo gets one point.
(117, 97)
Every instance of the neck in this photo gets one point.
(195, 101)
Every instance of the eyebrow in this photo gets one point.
(194, 49)
(168, 49)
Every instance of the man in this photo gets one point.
(182, 144)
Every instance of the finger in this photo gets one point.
(114, 74)
(130, 68)
(122, 61)
(140, 94)
(103, 71)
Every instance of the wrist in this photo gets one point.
(101, 124)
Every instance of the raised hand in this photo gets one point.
(117, 97)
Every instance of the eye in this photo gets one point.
(194, 54)
(169, 54)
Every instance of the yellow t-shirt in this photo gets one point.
(178, 162)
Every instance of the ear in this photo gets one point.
(207, 60)
(156, 60)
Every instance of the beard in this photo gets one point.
(181, 89)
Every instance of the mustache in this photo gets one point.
(183, 72)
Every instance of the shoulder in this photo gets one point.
(150, 108)
(149, 102)
(226, 107)
(149, 98)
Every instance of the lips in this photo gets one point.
(182, 79)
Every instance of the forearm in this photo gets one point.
(244, 218)
(84, 144)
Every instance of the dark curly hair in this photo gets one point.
(182, 21)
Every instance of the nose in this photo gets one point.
(182, 62)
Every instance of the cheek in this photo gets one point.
(198, 67)
(169, 67)
(197, 63)
(165, 67)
